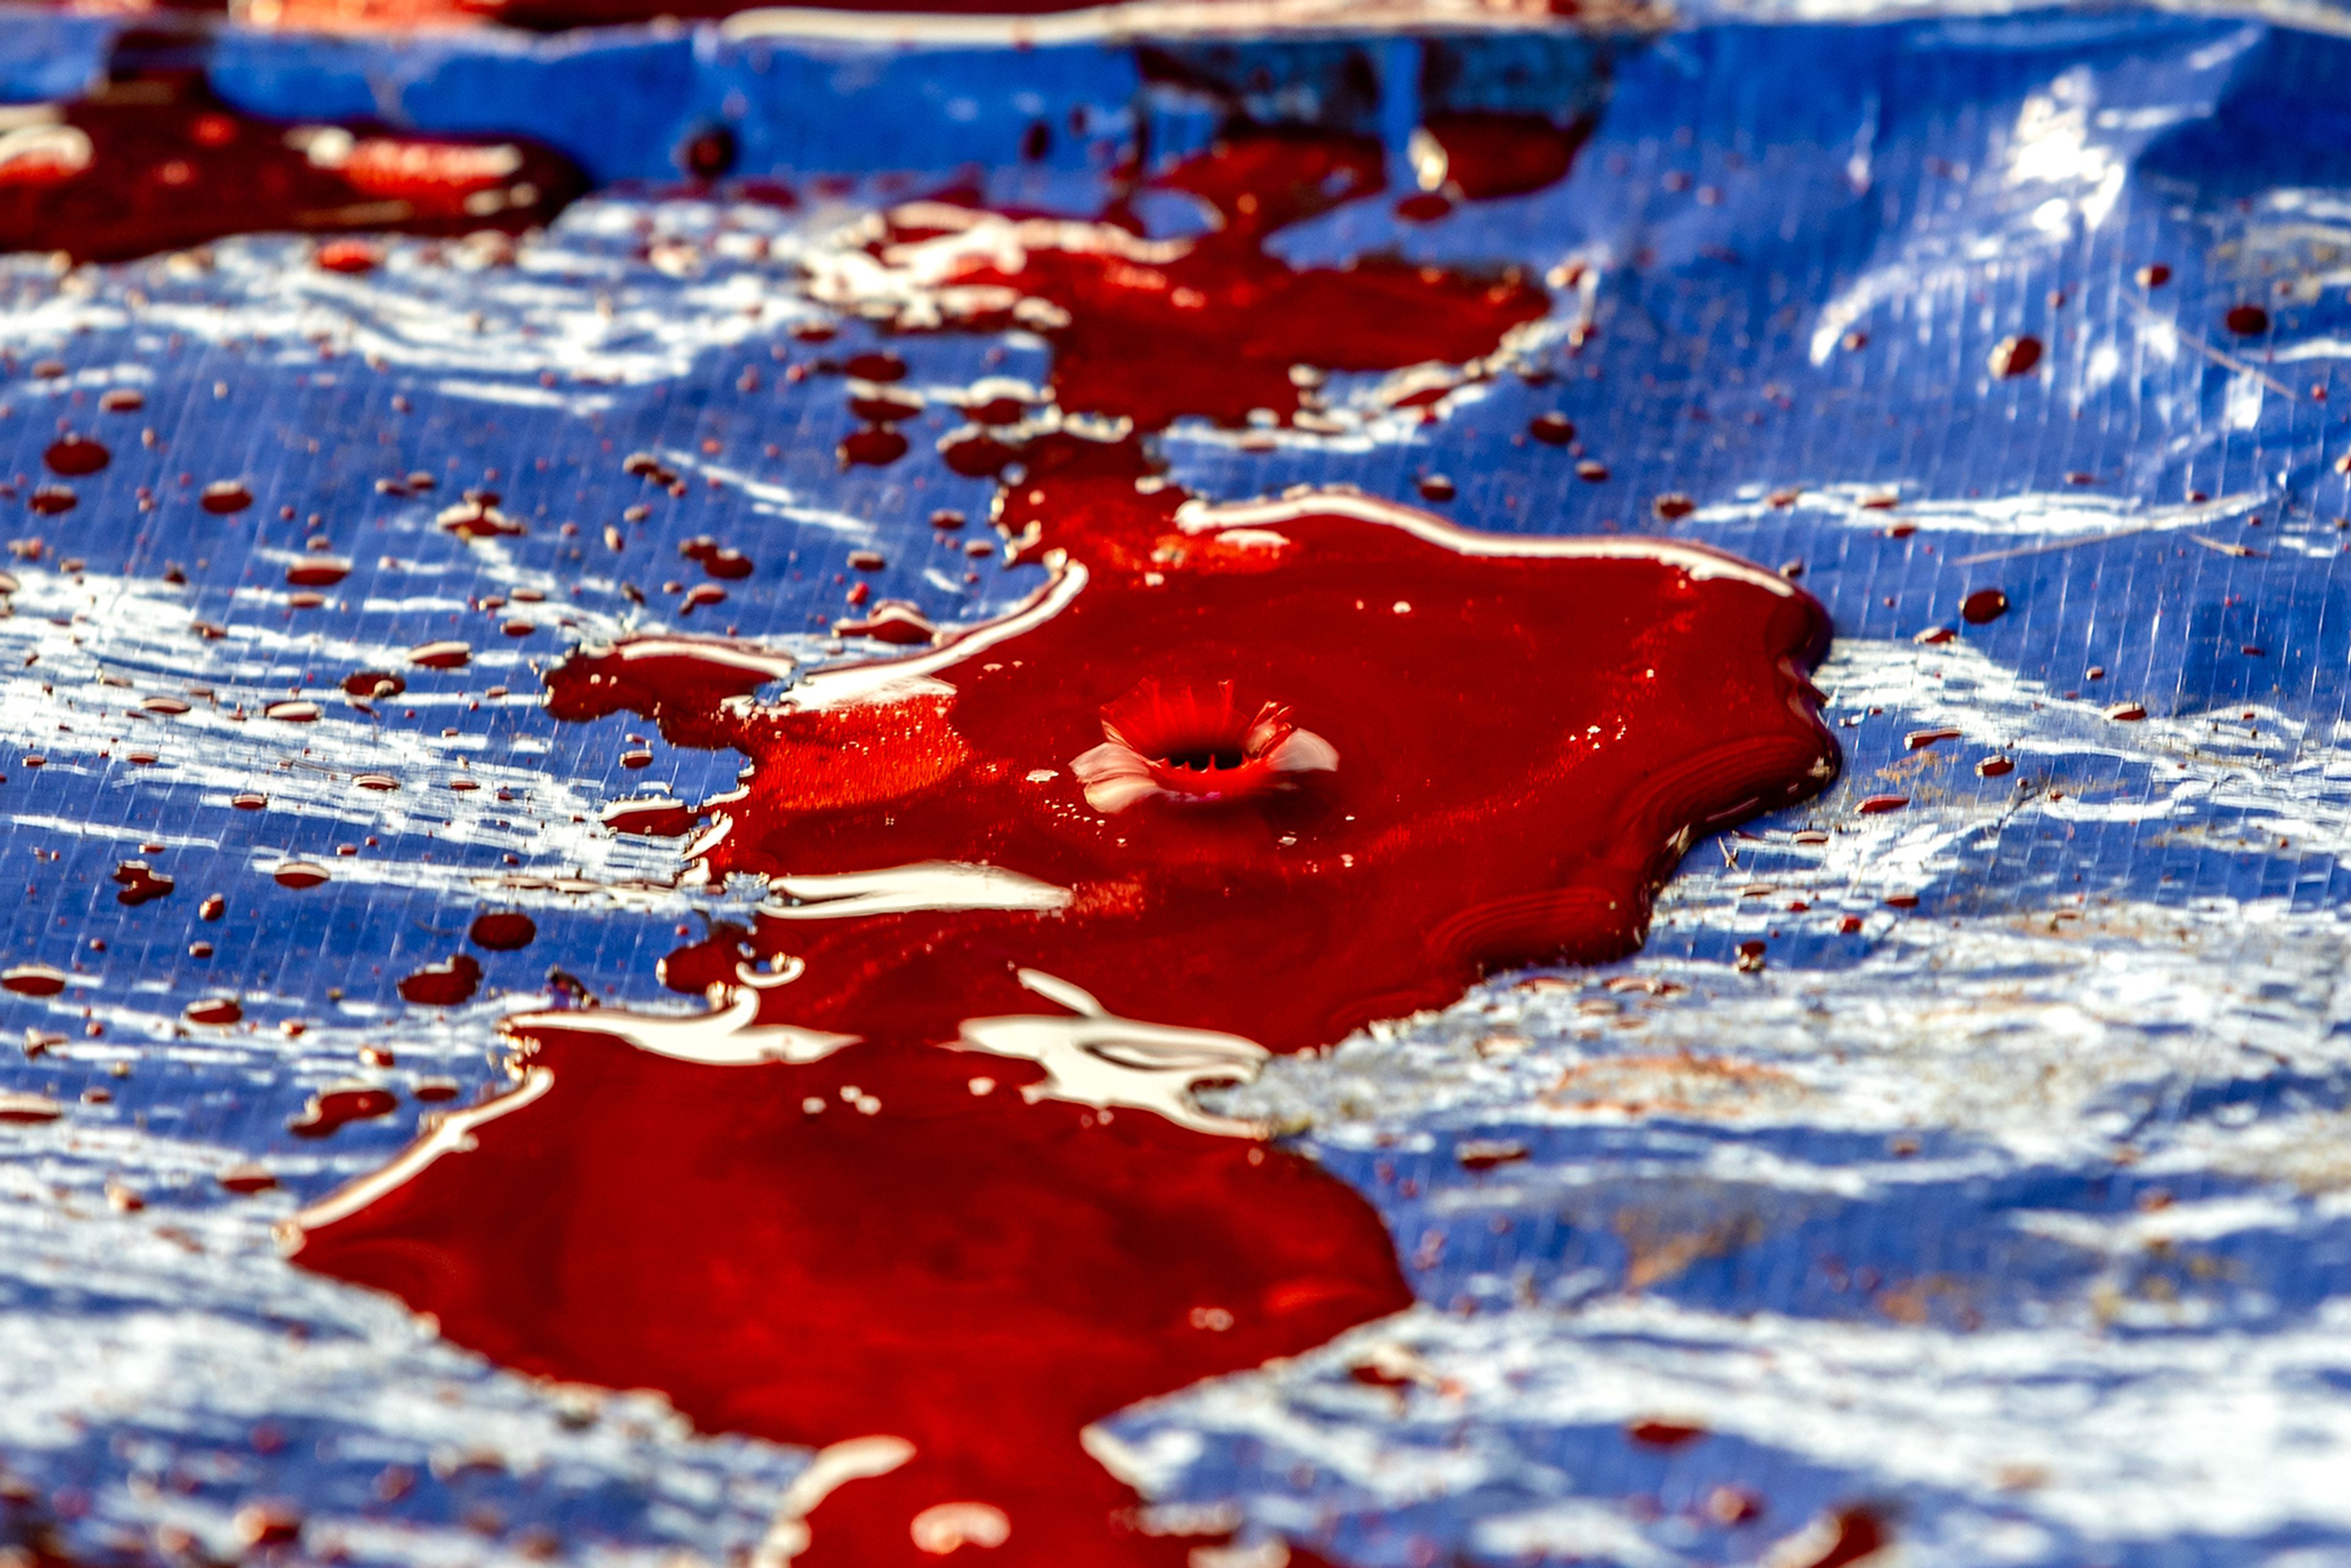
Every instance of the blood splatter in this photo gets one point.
(75, 455)
(1657, 1432)
(872, 446)
(223, 497)
(337, 1106)
(443, 984)
(2247, 320)
(718, 559)
(1839, 1539)
(216, 1011)
(141, 884)
(503, 930)
(2015, 356)
(33, 979)
(370, 683)
(1983, 606)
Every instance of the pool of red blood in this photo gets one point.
(1520, 737)
(158, 163)
(1524, 743)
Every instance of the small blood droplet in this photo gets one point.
(224, 496)
(1985, 604)
(2015, 356)
(443, 984)
(76, 456)
(503, 931)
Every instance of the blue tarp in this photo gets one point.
(2016, 1212)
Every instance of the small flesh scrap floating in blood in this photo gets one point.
(1237, 780)
(159, 164)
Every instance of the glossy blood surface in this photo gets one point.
(1267, 771)
(1237, 780)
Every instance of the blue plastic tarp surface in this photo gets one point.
(2020, 1212)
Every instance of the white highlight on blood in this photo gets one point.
(1198, 516)
(835, 1465)
(729, 1035)
(453, 1135)
(1098, 1058)
(944, 1526)
(898, 890)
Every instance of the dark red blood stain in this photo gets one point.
(1656, 1432)
(875, 446)
(1850, 1535)
(1669, 507)
(443, 984)
(1211, 326)
(141, 884)
(76, 456)
(2015, 356)
(1985, 604)
(716, 559)
(875, 367)
(1424, 207)
(339, 1106)
(1995, 767)
(503, 930)
(1490, 154)
(50, 500)
(1551, 429)
(2248, 321)
(1878, 805)
(168, 166)
(1343, 758)
(247, 1179)
(214, 1010)
(224, 496)
(317, 572)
